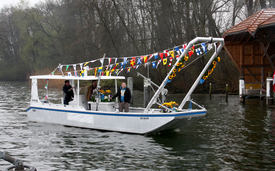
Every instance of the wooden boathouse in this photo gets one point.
(251, 46)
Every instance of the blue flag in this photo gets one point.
(154, 64)
(139, 61)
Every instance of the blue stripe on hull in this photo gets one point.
(120, 114)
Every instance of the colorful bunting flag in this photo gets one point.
(67, 67)
(132, 63)
(154, 64)
(166, 53)
(177, 50)
(114, 68)
(81, 65)
(95, 71)
(101, 60)
(190, 53)
(198, 51)
(46, 97)
(74, 67)
(116, 71)
(161, 56)
(170, 63)
(203, 46)
(158, 63)
(184, 46)
(110, 59)
(145, 59)
(139, 61)
(128, 69)
(171, 53)
(99, 69)
(181, 50)
(209, 46)
(150, 57)
(53, 72)
(137, 66)
(107, 73)
(165, 61)
(86, 63)
(156, 56)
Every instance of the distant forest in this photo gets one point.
(70, 31)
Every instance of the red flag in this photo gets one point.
(274, 81)
(190, 53)
(161, 56)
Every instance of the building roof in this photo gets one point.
(261, 18)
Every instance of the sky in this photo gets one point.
(15, 2)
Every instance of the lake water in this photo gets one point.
(232, 136)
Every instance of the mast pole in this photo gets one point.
(99, 77)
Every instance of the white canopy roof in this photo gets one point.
(60, 77)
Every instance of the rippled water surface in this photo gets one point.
(232, 136)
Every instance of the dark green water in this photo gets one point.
(232, 136)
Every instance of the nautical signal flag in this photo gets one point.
(165, 61)
(198, 51)
(158, 63)
(150, 56)
(154, 64)
(128, 69)
(161, 56)
(170, 63)
(190, 53)
(203, 46)
(138, 61)
(166, 53)
(156, 56)
(107, 73)
(115, 67)
(99, 69)
(177, 50)
(172, 53)
(145, 59)
(132, 63)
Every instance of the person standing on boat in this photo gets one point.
(91, 89)
(68, 93)
(124, 95)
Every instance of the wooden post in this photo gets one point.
(130, 86)
(269, 91)
(226, 96)
(210, 90)
(147, 92)
(242, 89)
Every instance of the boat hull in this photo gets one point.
(131, 122)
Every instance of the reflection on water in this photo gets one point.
(232, 136)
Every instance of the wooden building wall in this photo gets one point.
(250, 60)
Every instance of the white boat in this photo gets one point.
(105, 115)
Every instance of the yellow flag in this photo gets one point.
(86, 63)
(107, 73)
(172, 53)
(165, 61)
(95, 71)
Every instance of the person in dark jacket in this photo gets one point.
(68, 93)
(124, 96)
